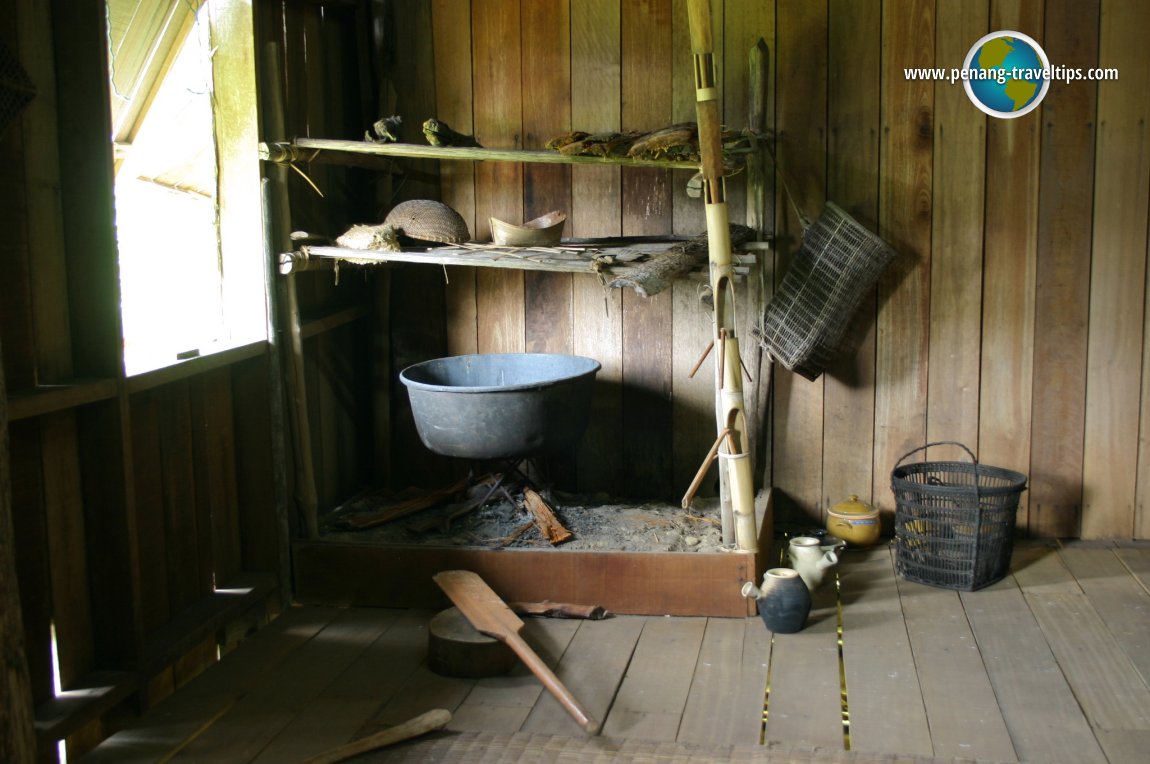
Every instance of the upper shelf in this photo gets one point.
(304, 149)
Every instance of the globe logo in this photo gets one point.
(1006, 74)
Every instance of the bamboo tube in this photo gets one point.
(729, 390)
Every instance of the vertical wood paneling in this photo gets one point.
(982, 213)
(497, 77)
(49, 282)
(746, 23)
(596, 207)
(801, 129)
(15, 309)
(1062, 277)
(64, 507)
(33, 567)
(451, 28)
(852, 182)
(1012, 156)
(647, 209)
(17, 723)
(186, 582)
(111, 529)
(1117, 275)
(262, 540)
(905, 206)
(689, 215)
(213, 444)
(693, 402)
(85, 185)
(147, 464)
(956, 245)
(546, 113)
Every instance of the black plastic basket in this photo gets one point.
(954, 521)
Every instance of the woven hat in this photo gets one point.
(428, 220)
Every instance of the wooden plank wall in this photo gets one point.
(1014, 319)
(135, 498)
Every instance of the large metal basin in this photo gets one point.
(501, 405)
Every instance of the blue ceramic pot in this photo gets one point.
(784, 602)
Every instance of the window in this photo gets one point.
(187, 178)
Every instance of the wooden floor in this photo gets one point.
(1050, 665)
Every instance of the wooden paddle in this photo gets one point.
(435, 719)
(491, 616)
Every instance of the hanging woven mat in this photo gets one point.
(838, 262)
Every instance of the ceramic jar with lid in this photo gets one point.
(854, 521)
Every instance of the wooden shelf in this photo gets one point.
(48, 399)
(607, 261)
(305, 149)
(90, 698)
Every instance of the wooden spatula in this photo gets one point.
(491, 616)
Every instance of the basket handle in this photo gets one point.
(973, 458)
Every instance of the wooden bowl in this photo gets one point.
(543, 231)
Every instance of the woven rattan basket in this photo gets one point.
(836, 265)
(428, 220)
(954, 521)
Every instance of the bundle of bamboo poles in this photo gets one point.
(736, 471)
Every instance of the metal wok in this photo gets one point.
(501, 405)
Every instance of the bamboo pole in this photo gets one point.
(310, 149)
(729, 393)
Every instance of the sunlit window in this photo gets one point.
(183, 293)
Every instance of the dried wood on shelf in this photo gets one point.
(611, 263)
(660, 272)
(310, 149)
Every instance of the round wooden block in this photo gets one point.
(455, 648)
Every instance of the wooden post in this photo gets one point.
(17, 728)
(759, 207)
(729, 392)
(280, 213)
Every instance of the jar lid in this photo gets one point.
(852, 506)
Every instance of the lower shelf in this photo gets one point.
(637, 583)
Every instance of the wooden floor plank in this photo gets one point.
(1039, 568)
(751, 695)
(258, 717)
(885, 702)
(1137, 561)
(654, 691)
(1118, 597)
(502, 703)
(592, 668)
(964, 716)
(328, 722)
(1045, 721)
(1103, 677)
(726, 700)
(1037, 667)
(1125, 745)
(804, 707)
(341, 712)
(180, 715)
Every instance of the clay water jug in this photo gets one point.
(811, 559)
(783, 600)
